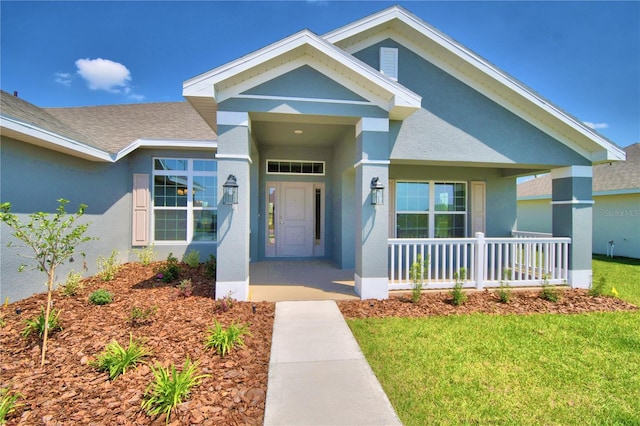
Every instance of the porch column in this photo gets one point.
(572, 206)
(372, 222)
(234, 148)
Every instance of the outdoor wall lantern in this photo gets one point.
(230, 188)
(377, 192)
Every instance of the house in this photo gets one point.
(367, 146)
(616, 208)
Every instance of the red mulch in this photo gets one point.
(70, 391)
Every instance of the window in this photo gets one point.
(287, 167)
(185, 200)
(431, 209)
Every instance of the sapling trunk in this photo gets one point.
(45, 336)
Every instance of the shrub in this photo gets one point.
(101, 297)
(170, 388)
(37, 324)
(146, 255)
(417, 278)
(73, 284)
(192, 258)
(185, 288)
(108, 267)
(224, 304)
(598, 289)
(115, 359)
(504, 291)
(458, 296)
(7, 403)
(222, 340)
(140, 316)
(549, 293)
(210, 267)
(170, 271)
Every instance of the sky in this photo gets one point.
(582, 56)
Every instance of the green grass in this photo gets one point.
(621, 273)
(525, 370)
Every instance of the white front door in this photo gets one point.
(295, 219)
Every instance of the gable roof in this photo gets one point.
(460, 62)
(609, 178)
(205, 91)
(104, 133)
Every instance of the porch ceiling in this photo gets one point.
(317, 131)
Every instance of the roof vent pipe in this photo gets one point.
(15, 93)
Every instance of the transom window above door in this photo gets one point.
(431, 209)
(295, 167)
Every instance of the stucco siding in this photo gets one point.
(32, 179)
(457, 123)
(534, 215)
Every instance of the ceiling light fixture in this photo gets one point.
(298, 132)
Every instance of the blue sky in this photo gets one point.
(582, 56)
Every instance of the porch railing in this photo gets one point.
(487, 261)
(528, 234)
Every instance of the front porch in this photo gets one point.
(526, 260)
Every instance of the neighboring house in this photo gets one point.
(305, 127)
(616, 208)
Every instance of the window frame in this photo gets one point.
(431, 212)
(190, 208)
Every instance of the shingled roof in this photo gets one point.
(616, 176)
(113, 127)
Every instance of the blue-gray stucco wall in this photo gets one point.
(459, 124)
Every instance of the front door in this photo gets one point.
(294, 230)
(294, 221)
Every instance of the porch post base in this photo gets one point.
(371, 288)
(580, 278)
(238, 290)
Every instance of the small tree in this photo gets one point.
(53, 241)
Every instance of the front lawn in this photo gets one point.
(512, 369)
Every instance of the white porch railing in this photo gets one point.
(527, 234)
(487, 261)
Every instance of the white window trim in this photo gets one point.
(431, 212)
(324, 167)
(190, 208)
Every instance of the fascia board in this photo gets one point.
(204, 84)
(595, 152)
(51, 140)
(165, 143)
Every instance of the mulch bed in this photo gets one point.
(68, 390)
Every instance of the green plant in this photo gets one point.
(38, 324)
(185, 288)
(598, 288)
(225, 303)
(53, 241)
(7, 403)
(141, 316)
(170, 388)
(416, 274)
(170, 270)
(458, 296)
(222, 340)
(73, 284)
(192, 258)
(504, 291)
(108, 267)
(101, 297)
(146, 255)
(210, 267)
(549, 293)
(115, 359)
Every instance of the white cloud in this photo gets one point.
(63, 78)
(104, 74)
(596, 126)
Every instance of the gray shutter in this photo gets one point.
(478, 207)
(140, 226)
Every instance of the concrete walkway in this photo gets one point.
(317, 373)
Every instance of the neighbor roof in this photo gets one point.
(608, 178)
